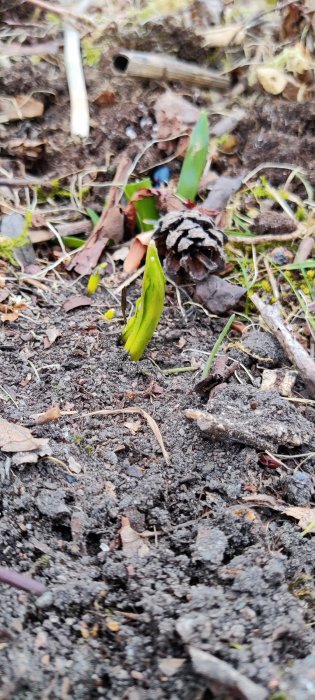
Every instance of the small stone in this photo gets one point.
(45, 600)
(281, 256)
(210, 544)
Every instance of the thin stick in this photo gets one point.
(294, 350)
(134, 409)
(256, 240)
(59, 10)
(26, 583)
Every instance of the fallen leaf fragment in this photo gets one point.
(225, 35)
(75, 302)
(74, 466)
(112, 625)
(51, 335)
(218, 295)
(52, 413)
(16, 438)
(133, 544)
(170, 665)
(4, 293)
(19, 107)
(137, 251)
(133, 426)
(304, 515)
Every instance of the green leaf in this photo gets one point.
(146, 207)
(195, 160)
(305, 265)
(139, 330)
(216, 347)
(73, 242)
(93, 215)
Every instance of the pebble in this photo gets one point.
(45, 600)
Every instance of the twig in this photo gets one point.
(17, 580)
(222, 674)
(130, 279)
(256, 240)
(133, 409)
(294, 350)
(15, 49)
(62, 11)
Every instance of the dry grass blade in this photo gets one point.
(135, 409)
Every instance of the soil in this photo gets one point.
(200, 566)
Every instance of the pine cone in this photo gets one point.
(190, 245)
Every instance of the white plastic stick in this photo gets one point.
(79, 105)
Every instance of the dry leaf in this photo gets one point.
(228, 34)
(112, 625)
(19, 107)
(133, 426)
(304, 514)
(271, 79)
(133, 544)
(4, 293)
(74, 466)
(170, 665)
(218, 295)
(137, 251)
(75, 302)
(11, 313)
(16, 438)
(51, 335)
(52, 413)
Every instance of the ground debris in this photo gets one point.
(246, 415)
(223, 676)
(17, 438)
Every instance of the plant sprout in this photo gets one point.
(139, 330)
(195, 159)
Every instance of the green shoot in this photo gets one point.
(139, 330)
(93, 215)
(73, 242)
(195, 160)
(146, 207)
(94, 279)
(216, 347)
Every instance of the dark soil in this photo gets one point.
(214, 572)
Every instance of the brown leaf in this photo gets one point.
(51, 335)
(52, 413)
(133, 426)
(173, 115)
(4, 293)
(19, 107)
(217, 295)
(75, 302)
(16, 438)
(11, 313)
(305, 515)
(170, 665)
(132, 543)
(137, 251)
